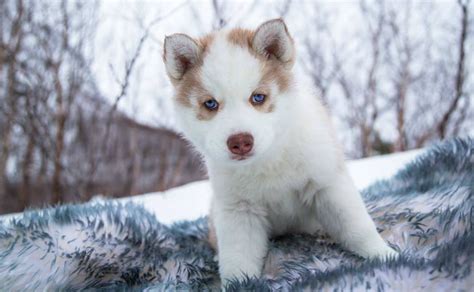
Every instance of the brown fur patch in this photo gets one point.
(205, 42)
(272, 73)
(203, 113)
(268, 106)
(241, 37)
(191, 84)
(273, 69)
(187, 85)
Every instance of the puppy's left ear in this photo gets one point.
(272, 39)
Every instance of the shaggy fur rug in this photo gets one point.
(425, 212)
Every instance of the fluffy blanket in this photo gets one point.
(425, 212)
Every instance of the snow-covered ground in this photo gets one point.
(192, 201)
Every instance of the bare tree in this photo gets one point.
(284, 8)
(124, 85)
(400, 51)
(320, 49)
(12, 41)
(218, 7)
(460, 76)
(447, 81)
(66, 65)
(364, 95)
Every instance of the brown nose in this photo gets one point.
(240, 144)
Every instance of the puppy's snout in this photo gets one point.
(240, 144)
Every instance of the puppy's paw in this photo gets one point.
(384, 253)
(226, 280)
(239, 272)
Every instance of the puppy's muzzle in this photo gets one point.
(240, 144)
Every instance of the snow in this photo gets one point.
(187, 202)
(368, 170)
(192, 200)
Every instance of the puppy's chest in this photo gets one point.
(274, 188)
(278, 192)
(283, 205)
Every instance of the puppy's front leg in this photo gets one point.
(341, 211)
(242, 241)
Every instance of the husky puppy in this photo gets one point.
(272, 156)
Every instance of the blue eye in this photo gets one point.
(258, 98)
(211, 104)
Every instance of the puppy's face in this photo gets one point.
(231, 89)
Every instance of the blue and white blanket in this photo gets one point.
(426, 211)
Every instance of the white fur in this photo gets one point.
(296, 181)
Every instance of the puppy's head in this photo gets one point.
(232, 89)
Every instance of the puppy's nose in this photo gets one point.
(240, 143)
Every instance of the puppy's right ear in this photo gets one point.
(272, 39)
(181, 53)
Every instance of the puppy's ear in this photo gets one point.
(181, 53)
(272, 39)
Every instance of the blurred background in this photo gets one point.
(85, 105)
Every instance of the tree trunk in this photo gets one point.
(401, 143)
(366, 145)
(11, 100)
(460, 74)
(42, 172)
(59, 139)
(26, 174)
